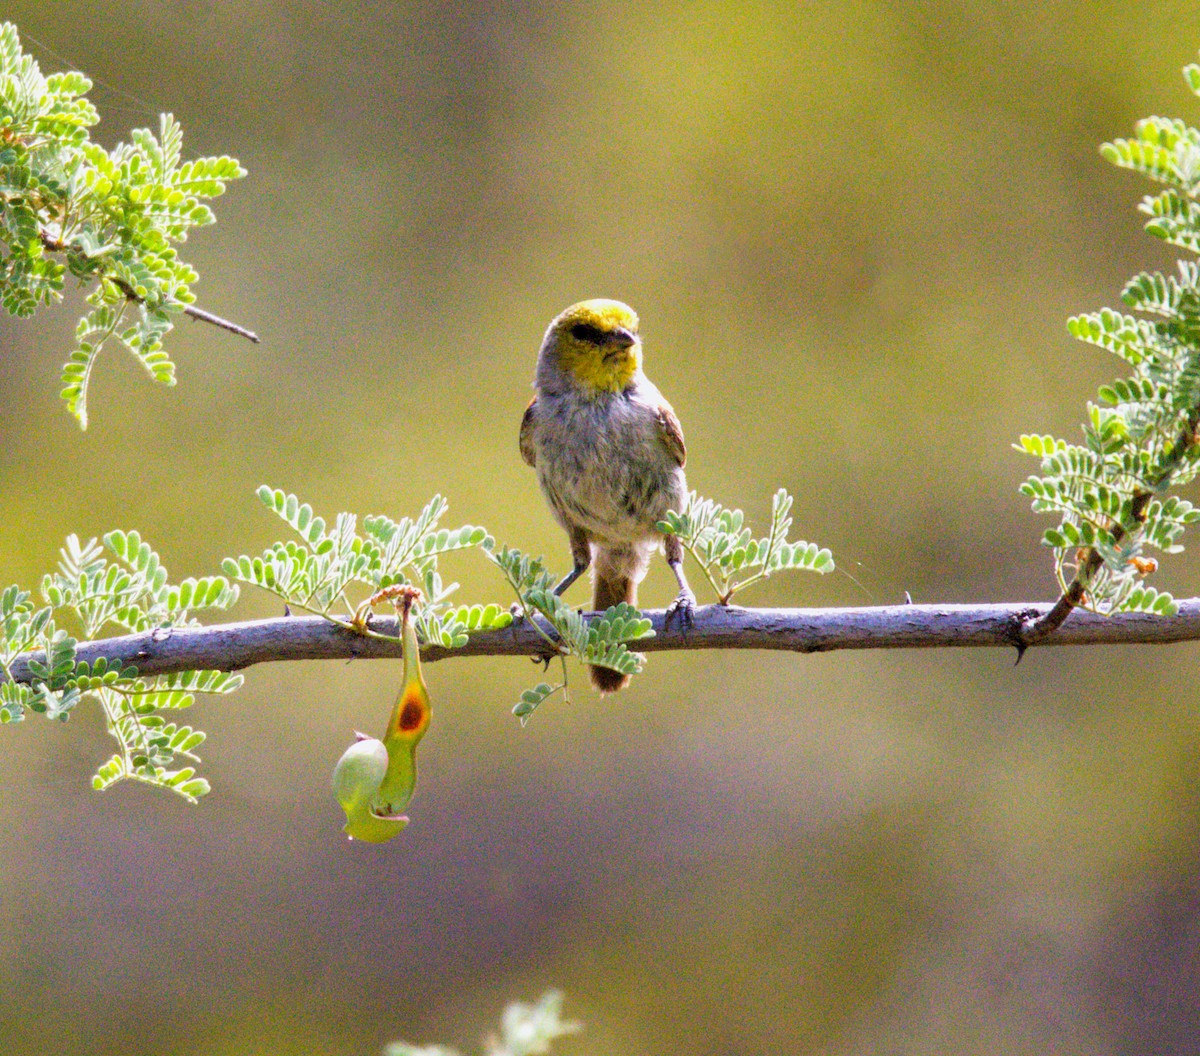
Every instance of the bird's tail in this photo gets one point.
(617, 573)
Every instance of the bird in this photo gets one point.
(609, 454)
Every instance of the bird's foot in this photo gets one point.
(684, 606)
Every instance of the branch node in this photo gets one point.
(1021, 630)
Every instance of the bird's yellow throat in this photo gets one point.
(608, 373)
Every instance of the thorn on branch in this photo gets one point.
(1021, 630)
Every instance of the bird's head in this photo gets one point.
(596, 345)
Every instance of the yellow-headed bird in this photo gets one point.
(609, 456)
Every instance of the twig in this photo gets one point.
(216, 320)
(1035, 629)
(189, 309)
(232, 646)
(57, 245)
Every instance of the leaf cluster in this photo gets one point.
(335, 570)
(112, 219)
(24, 628)
(1111, 493)
(127, 589)
(525, 1030)
(602, 640)
(730, 556)
(328, 568)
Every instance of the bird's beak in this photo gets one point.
(622, 338)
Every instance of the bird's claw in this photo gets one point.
(684, 606)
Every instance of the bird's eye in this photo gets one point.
(586, 332)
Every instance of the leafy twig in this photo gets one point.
(112, 219)
(729, 556)
(191, 310)
(1141, 439)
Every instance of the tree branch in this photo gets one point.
(232, 646)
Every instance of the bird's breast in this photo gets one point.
(603, 466)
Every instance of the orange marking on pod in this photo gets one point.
(414, 712)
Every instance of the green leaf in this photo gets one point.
(532, 698)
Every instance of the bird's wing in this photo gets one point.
(672, 433)
(528, 420)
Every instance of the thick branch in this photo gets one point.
(232, 646)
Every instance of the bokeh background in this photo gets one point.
(853, 231)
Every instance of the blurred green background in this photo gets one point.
(853, 232)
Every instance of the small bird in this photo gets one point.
(609, 456)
